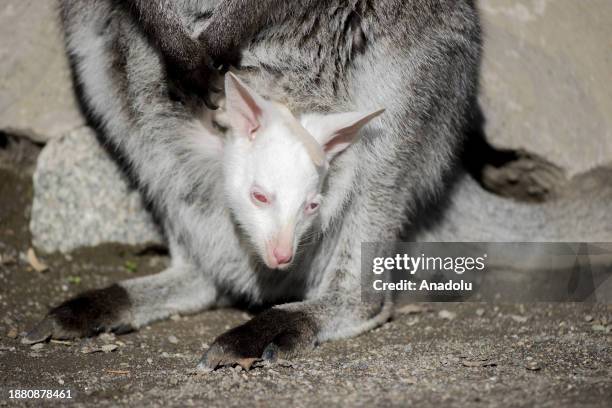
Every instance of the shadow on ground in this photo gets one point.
(454, 355)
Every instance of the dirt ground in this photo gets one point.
(430, 355)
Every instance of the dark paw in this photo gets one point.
(200, 75)
(529, 178)
(200, 81)
(87, 314)
(271, 335)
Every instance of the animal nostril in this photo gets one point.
(282, 257)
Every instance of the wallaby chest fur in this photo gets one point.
(418, 59)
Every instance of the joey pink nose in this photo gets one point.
(282, 256)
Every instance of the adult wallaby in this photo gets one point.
(145, 70)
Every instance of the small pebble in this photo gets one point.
(532, 366)
(12, 333)
(445, 314)
(173, 339)
(519, 319)
(38, 346)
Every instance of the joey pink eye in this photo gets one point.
(259, 197)
(312, 207)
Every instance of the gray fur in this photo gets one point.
(419, 59)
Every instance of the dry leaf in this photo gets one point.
(64, 342)
(478, 363)
(34, 262)
(107, 348)
(121, 372)
(412, 309)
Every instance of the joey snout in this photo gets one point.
(279, 249)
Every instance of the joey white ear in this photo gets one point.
(244, 107)
(335, 132)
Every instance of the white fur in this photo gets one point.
(264, 154)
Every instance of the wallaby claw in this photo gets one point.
(215, 358)
(209, 103)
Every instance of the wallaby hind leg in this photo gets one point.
(128, 305)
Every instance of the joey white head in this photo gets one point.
(274, 167)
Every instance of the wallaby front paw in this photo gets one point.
(87, 314)
(271, 335)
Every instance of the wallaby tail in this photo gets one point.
(582, 212)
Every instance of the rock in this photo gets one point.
(545, 79)
(36, 97)
(447, 315)
(82, 199)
